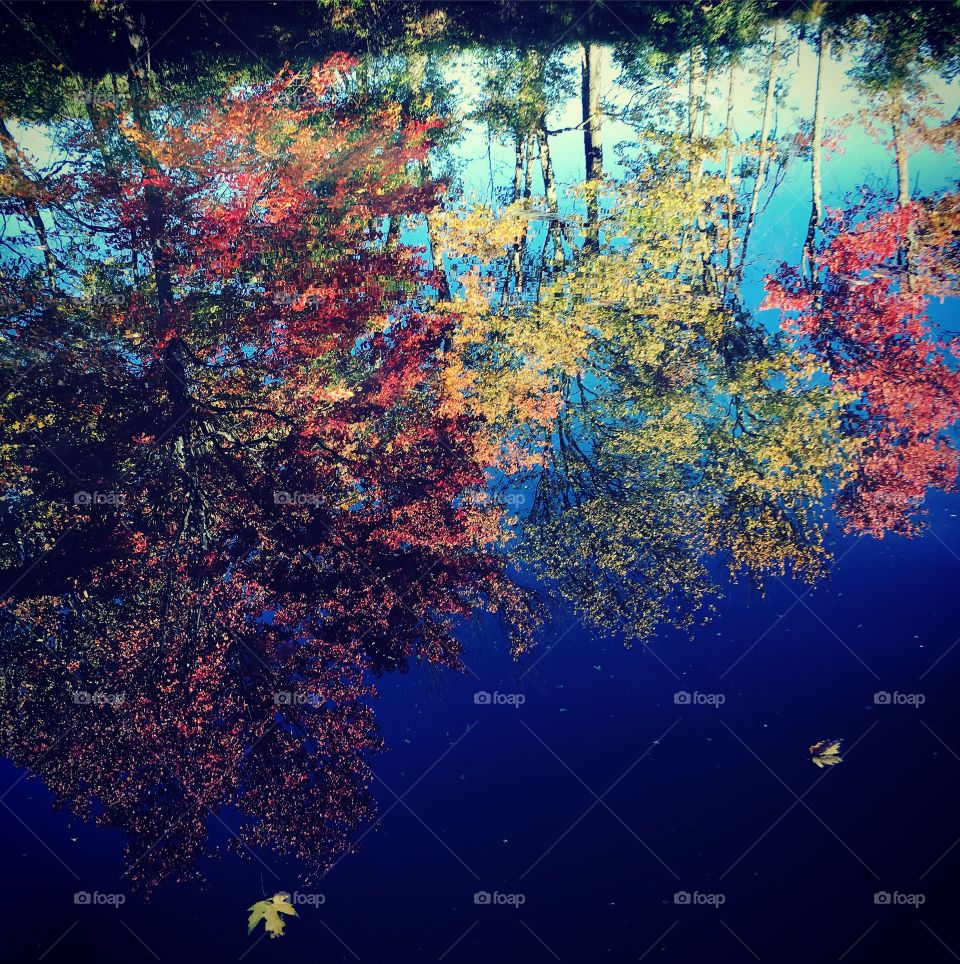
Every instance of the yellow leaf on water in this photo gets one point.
(269, 912)
(826, 753)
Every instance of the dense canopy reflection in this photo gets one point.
(284, 401)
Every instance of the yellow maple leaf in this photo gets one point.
(269, 912)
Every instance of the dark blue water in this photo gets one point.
(591, 805)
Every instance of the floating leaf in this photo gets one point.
(826, 753)
(269, 912)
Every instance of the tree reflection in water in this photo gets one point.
(283, 404)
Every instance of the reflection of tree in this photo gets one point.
(896, 55)
(518, 89)
(230, 467)
(666, 428)
(859, 304)
(677, 430)
(864, 315)
(684, 432)
(158, 708)
(256, 448)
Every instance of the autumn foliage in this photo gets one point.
(864, 315)
(236, 489)
(281, 412)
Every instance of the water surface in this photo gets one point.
(486, 472)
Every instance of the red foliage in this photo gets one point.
(864, 315)
(291, 508)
